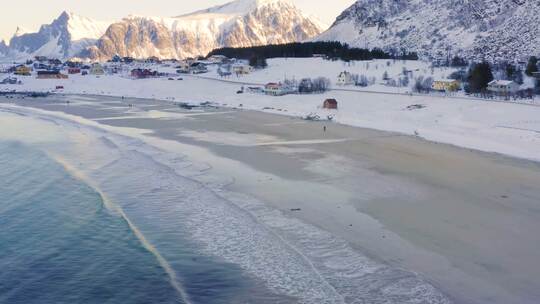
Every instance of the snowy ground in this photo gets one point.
(502, 127)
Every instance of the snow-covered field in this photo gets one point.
(507, 128)
(298, 68)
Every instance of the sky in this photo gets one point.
(30, 14)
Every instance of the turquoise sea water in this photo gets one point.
(60, 245)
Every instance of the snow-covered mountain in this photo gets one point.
(477, 29)
(3, 48)
(66, 36)
(238, 23)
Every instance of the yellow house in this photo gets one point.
(97, 69)
(23, 71)
(448, 85)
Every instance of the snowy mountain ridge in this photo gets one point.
(236, 8)
(477, 29)
(238, 23)
(66, 36)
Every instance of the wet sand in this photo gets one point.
(466, 220)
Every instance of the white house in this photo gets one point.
(503, 87)
(241, 68)
(274, 89)
(183, 67)
(345, 78)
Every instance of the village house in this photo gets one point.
(96, 69)
(41, 58)
(41, 66)
(503, 87)
(116, 58)
(274, 89)
(113, 68)
(23, 70)
(143, 73)
(198, 68)
(74, 70)
(183, 67)
(10, 80)
(128, 59)
(224, 70)
(152, 59)
(446, 85)
(330, 104)
(345, 78)
(217, 59)
(241, 68)
(74, 63)
(55, 62)
(51, 75)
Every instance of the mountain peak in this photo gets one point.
(65, 16)
(237, 23)
(240, 7)
(20, 31)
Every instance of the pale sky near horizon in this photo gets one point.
(30, 14)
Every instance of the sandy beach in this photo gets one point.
(464, 220)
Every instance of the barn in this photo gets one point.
(330, 104)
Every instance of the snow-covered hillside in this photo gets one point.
(237, 24)
(374, 70)
(66, 36)
(477, 29)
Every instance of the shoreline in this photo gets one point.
(299, 117)
(320, 175)
(320, 251)
(506, 128)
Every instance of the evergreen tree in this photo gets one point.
(258, 62)
(458, 62)
(479, 76)
(532, 66)
(330, 50)
(513, 73)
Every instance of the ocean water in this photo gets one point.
(93, 216)
(60, 245)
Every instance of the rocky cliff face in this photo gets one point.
(64, 37)
(137, 37)
(477, 29)
(236, 24)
